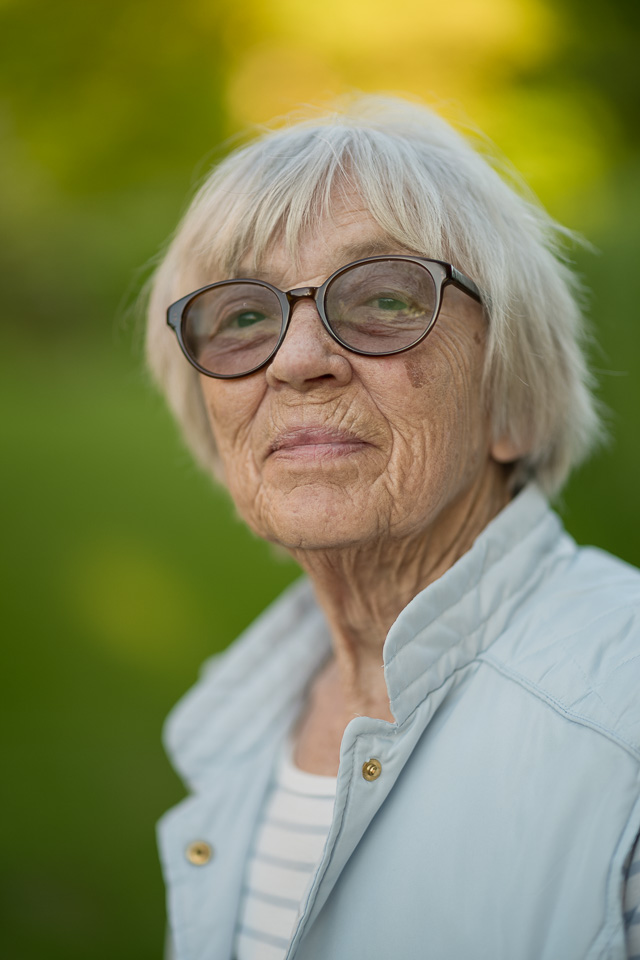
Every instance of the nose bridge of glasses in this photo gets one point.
(301, 293)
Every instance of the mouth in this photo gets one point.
(315, 443)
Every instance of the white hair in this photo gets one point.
(430, 191)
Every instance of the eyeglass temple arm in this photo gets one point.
(466, 284)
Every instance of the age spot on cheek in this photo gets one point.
(477, 338)
(415, 371)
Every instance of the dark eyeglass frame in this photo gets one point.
(442, 274)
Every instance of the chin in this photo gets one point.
(313, 517)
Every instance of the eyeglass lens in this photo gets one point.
(376, 308)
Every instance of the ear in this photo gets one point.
(506, 450)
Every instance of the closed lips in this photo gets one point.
(315, 436)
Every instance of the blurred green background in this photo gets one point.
(122, 569)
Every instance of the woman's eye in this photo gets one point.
(248, 318)
(388, 303)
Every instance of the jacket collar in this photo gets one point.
(458, 616)
(252, 693)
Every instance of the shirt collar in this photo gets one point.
(253, 691)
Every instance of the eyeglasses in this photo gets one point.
(373, 307)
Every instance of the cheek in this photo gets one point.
(437, 412)
(458, 407)
(417, 374)
(456, 365)
(231, 409)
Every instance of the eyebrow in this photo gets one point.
(374, 247)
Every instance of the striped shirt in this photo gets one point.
(288, 846)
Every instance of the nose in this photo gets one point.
(308, 354)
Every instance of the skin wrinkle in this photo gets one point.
(371, 529)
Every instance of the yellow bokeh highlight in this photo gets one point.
(462, 57)
(403, 31)
(271, 80)
(454, 49)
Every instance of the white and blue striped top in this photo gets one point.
(288, 845)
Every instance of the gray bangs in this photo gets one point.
(275, 191)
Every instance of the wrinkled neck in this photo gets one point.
(362, 588)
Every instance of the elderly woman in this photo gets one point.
(429, 746)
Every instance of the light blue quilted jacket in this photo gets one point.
(509, 796)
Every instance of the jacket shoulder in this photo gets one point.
(576, 643)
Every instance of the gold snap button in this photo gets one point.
(372, 769)
(199, 852)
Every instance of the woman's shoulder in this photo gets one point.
(576, 643)
(257, 676)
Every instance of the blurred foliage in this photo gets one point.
(122, 568)
(600, 53)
